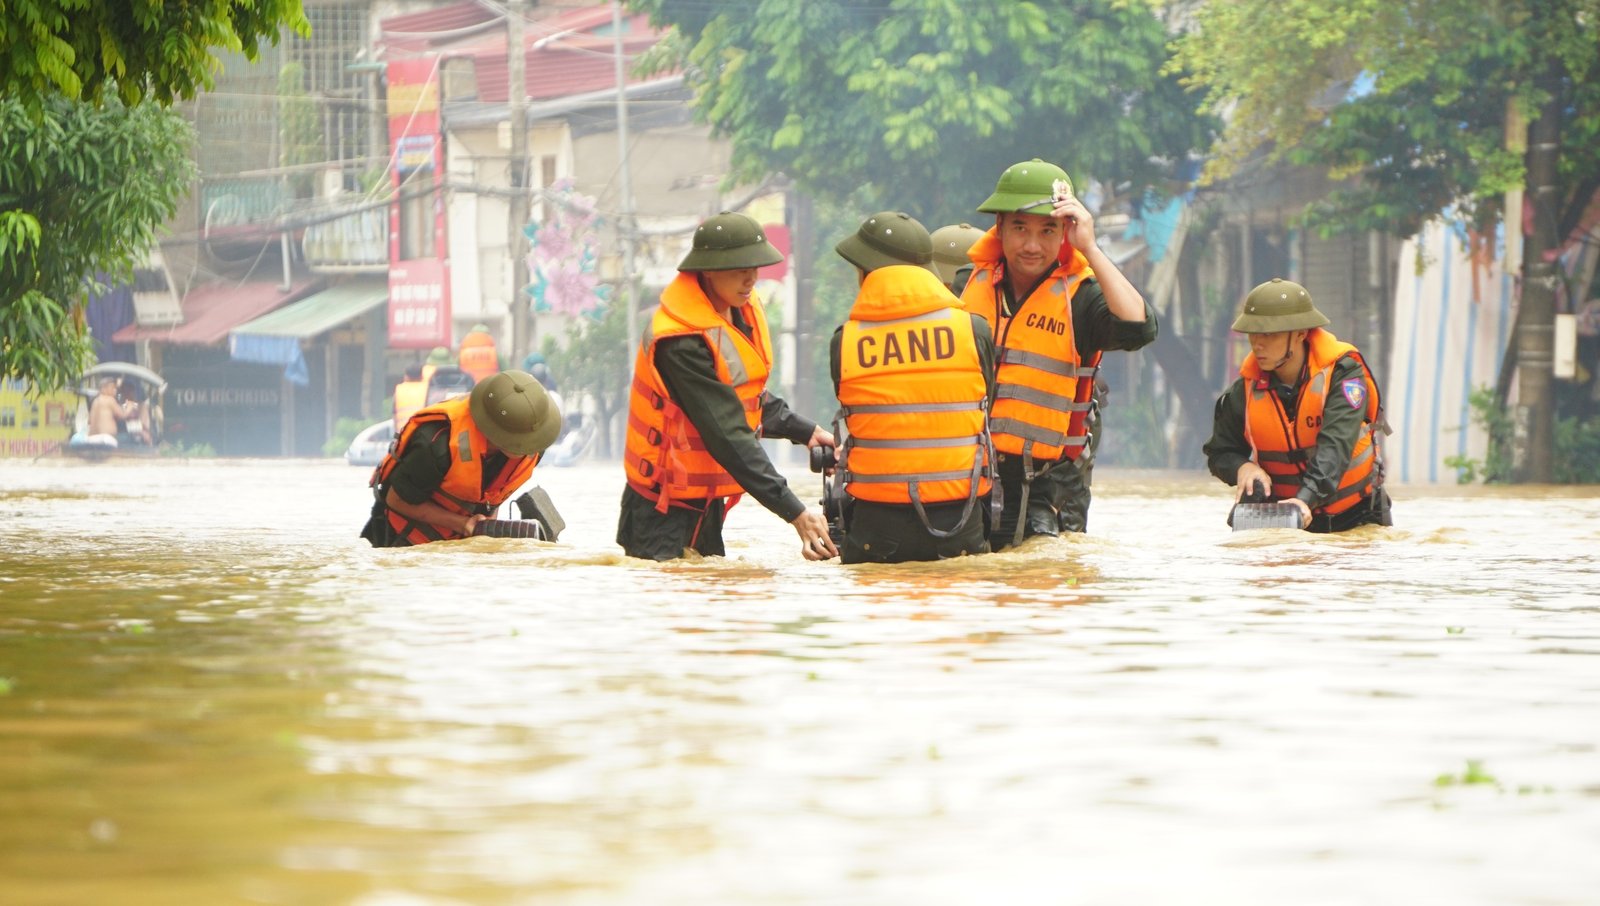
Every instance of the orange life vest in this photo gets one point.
(462, 490)
(665, 458)
(409, 396)
(1283, 446)
(911, 393)
(477, 356)
(1043, 389)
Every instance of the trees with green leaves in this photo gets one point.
(595, 363)
(1428, 104)
(919, 104)
(81, 190)
(83, 49)
(91, 162)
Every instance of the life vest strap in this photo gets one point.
(652, 435)
(1292, 457)
(966, 512)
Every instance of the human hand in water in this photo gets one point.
(812, 528)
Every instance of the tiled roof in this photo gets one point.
(566, 56)
(430, 28)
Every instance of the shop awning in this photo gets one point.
(212, 310)
(319, 313)
(274, 338)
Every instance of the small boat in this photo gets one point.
(140, 434)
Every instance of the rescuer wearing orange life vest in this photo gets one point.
(477, 355)
(914, 373)
(1303, 421)
(456, 461)
(410, 395)
(1055, 302)
(699, 406)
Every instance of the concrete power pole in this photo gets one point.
(625, 226)
(1533, 442)
(518, 215)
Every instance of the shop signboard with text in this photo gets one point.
(419, 263)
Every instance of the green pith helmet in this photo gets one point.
(729, 241)
(887, 238)
(1027, 188)
(950, 244)
(440, 356)
(1278, 305)
(515, 413)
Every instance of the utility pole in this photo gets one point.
(1533, 423)
(805, 284)
(518, 215)
(625, 224)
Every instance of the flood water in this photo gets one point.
(214, 692)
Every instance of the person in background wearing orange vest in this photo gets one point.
(1303, 421)
(410, 395)
(914, 373)
(1055, 302)
(458, 460)
(477, 356)
(699, 405)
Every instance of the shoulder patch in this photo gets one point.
(1355, 392)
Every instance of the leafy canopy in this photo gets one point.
(133, 48)
(920, 104)
(1412, 96)
(82, 189)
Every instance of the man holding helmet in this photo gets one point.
(457, 460)
(1055, 302)
(699, 406)
(1301, 423)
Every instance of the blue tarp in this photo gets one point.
(269, 350)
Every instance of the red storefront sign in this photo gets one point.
(419, 262)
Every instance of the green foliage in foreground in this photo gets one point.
(596, 363)
(179, 450)
(132, 50)
(1473, 775)
(82, 190)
